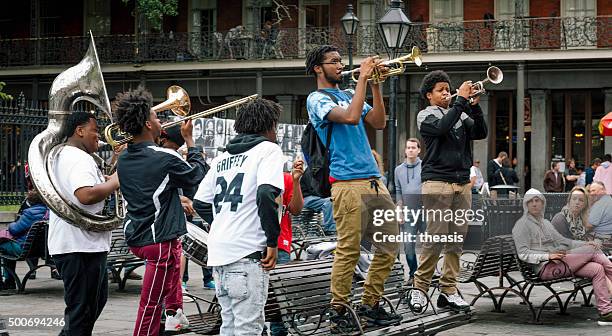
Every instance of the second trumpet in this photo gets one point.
(494, 75)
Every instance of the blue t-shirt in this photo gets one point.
(351, 156)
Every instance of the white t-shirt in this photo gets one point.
(76, 169)
(231, 187)
(475, 171)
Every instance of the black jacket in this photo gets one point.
(151, 179)
(492, 168)
(447, 136)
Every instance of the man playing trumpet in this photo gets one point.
(447, 134)
(356, 186)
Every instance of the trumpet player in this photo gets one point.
(151, 179)
(447, 130)
(354, 176)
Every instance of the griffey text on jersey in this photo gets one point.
(231, 162)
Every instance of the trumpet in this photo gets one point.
(395, 66)
(178, 102)
(494, 75)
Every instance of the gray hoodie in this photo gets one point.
(535, 237)
(408, 184)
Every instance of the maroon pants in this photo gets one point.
(161, 284)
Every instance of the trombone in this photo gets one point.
(396, 67)
(494, 75)
(178, 102)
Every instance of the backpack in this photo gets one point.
(316, 155)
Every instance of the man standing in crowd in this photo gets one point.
(554, 181)
(293, 203)
(447, 133)
(493, 166)
(80, 255)
(476, 179)
(242, 188)
(590, 172)
(408, 194)
(356, 185)
(151, 180)
(315, 202)
(604, 173)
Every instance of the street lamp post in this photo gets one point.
(393, 28)
(350, 22)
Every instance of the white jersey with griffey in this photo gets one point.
(231, 187)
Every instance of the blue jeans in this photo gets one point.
(410, 247)
(242, 291)
(277, 328)
(324, 205)
(13, 249)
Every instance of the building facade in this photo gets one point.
(556, 56)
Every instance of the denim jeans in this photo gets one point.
(277, 328)
(410, 247)
(324, 205)
(10, 248)
(242, 291)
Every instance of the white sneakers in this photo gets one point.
(177, 322)
(418, 301)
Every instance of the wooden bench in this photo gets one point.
(307, 230)
(35, 246)
(120, 257)
(300, 297)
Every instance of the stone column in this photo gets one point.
(288, 102)
(412, 115)
(520, 124)
(259, 83)
(481, 147)
(402, 131)
(540, 151)
(608, 108)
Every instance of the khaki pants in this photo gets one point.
(354, 203)
(443, 196)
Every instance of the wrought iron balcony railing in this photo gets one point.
(503, 35)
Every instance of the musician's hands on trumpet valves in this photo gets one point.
(369, 66)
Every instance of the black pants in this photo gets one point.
(85, 290)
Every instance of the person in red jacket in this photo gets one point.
(293, 202)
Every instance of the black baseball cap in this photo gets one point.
(173, 134)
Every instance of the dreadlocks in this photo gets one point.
(430, 80)
(316, 56)
(133, 109)
(257, 116)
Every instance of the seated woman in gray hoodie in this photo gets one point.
(554, 256)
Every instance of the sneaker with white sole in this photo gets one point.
(452, 301)
(605, 319)
(418, 301)
(177, 322)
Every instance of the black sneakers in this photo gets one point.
(453, 301)
(377, 315)
(342, 323)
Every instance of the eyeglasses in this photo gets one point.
(333, 62)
